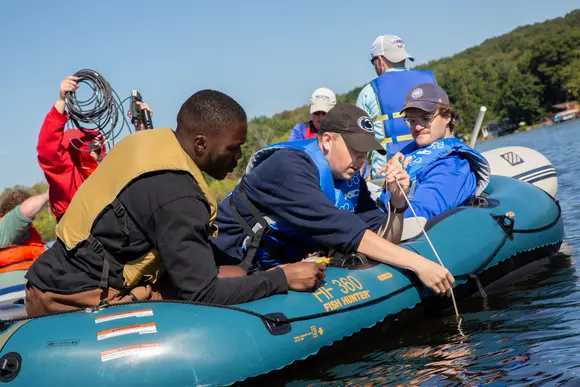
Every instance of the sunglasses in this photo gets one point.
(424, 120)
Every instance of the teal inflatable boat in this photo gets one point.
(186, 344)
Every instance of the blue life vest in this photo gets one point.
(422, 157)
(391, 88)
(344, 195)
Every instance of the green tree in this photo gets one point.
(571, 76)
(520, 98)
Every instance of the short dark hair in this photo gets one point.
(447, 111)
(208, 110)
(13, 198)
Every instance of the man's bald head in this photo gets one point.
(211, 128)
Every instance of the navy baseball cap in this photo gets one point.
(426, 96)
(354, 125)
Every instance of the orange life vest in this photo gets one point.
(20, 256)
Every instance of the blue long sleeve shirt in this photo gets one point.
(442, 185)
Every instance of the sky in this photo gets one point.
(268, 55)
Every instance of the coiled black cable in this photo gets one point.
(102, 113)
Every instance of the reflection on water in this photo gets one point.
(527, 333)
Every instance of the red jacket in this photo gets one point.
(64, 165)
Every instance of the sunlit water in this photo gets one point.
(525, 334)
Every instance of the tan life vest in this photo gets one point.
(137, 154)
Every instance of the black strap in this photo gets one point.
(255, 212)
(121, 214)
(98, 248)
(255, 237)
(255, 241)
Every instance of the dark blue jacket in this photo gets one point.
(287, 185)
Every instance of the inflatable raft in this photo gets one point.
(183, 344)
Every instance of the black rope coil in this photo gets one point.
(101, 114)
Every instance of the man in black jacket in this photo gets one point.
(138, 227)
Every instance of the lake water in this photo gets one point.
(525, 334)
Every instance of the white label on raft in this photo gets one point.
(117, 316)
(131, 350)
(121, 331)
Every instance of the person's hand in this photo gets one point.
(142, 106)
(434, 276)
(96, 148)
(395, 172)
(69, 84)
(303, 276)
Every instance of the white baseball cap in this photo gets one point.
(322, 100)
(391, 47)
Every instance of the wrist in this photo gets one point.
(60, 105)
(398, 206)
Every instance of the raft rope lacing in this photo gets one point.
(278, 321)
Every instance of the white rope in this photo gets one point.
(382, 231)
(430, 244)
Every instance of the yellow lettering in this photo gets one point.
(356, 297)
(332, 305)
(347, 284)
(327, 291)
(323, 292)
(340, 285)
(355, 282)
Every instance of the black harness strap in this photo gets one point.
(255, 237)
(255, 241)
(99, 249)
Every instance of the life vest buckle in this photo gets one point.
(96, 246)
(118, 209)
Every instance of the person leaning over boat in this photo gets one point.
(444, 171)
(138, 227)
(68, 157)
(20, 243)
(300, 197)
(321, 101)
(384, 97)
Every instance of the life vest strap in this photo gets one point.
(386, 117)
(405, 137)
(251, 261)
(98, 248)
